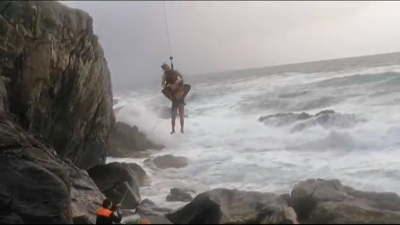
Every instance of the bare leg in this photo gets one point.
(181, 108)
(174, 110)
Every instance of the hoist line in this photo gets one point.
(166, 26)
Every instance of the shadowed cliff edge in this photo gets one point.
(57, 126)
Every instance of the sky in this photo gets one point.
(216, 36)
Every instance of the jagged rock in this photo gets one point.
(34, 183)
(10, 218)
(120, 182)
(179, 195)
(126, 141)
(149, 208)
(330, 202)
(3, 96)
(301, 121)
(225, 206)
(289, 116)
(82, 220)
(57, 79)
(86, 196)
(168, 161)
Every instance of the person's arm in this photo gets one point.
(116, 218)
(163, 80)
(178, 77)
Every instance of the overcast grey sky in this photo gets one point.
(213, 36)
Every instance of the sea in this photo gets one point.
(229, 147)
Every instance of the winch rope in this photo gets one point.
(169, 42)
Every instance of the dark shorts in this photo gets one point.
(176, 103)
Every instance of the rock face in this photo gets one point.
(168, 161)
(85, 195)
(57, 79)
(34, 183)
(152, 212)
(329, 202)
(126, 141)
(120, 182)
(225, 206)
(149, 208)
(179, 195)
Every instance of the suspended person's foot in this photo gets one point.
(182, 131)
(173, 131)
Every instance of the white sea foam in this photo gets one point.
(228, 147)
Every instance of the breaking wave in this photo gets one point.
(298, 136)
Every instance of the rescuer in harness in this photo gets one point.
(106, 216)
(176, 91)
(171, 77)
(111, 214)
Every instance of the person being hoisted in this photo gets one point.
(176, 91)
(171, 77)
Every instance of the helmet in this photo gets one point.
(165, 66)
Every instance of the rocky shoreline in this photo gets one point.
(57, 126)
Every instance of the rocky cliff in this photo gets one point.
(55, 79)
(55, 113)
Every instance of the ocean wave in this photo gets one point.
(356, 79)
(301, 121)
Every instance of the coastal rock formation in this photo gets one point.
(168, 161)
(330, 202)
(57, 79)
(152, 212)
(120, 182)
(34, 183)
(127, 141)
(149, 208)
(86, 198)
(55, 113)
(179, 195)
(226, 206)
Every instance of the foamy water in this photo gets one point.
(228, 147)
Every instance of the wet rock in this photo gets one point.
(330, 202)
(57, 79)
(168, 161)
(149, 208)
(225, 206)
(126, 141)
(157, 219)
(82, 220)
(291, 116)
(120, 182)
(179, 195)
(10, 218)
(85, 195)
(3, 96)
(34, 183)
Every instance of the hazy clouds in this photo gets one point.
(215, 36)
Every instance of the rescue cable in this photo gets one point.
(169, 43)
